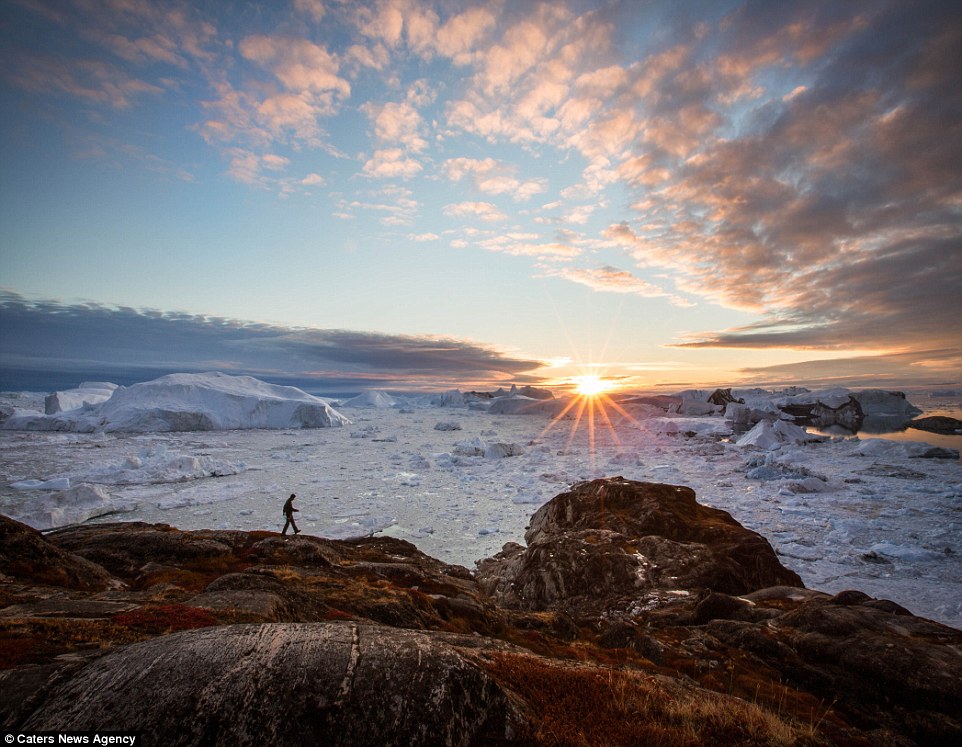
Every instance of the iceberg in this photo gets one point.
(768, 435)
(487, 449)
(191, 402)
(88, 393)
(72, 506)
(376, 398)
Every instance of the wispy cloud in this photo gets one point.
(485, 211)
(609, 279)
(493, 177)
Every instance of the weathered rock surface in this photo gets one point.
(634, 616)
(309, 683)
(636, 541)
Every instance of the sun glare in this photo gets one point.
(591, 386)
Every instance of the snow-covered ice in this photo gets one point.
(88, 393)
(190, 402)
(844, 513)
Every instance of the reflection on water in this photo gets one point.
(895, 429)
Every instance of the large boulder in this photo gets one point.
(28, 558)
(633, 541)
(871, 657)
(313, 683)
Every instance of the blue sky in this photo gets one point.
(412, 193)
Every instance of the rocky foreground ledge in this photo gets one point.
(634, 616)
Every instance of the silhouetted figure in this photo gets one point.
(289, 512)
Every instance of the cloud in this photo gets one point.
(313, 9)
(92, 81)
(397, 202)
(493, 177)
(395, 22)
(398, 126)
(485, 211)
(391, 163)
(49, 336)
(299, 64)
(923, 367)
(522, 246)
(609, 279)
(832, 211)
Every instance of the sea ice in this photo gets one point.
(349, 487)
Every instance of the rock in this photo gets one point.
(717, 606)
(632, 539)
(723, 397)
(868, 654)
(123, 548)
(319, 683)
(26, 556)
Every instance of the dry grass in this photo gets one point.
(37, 640)
(165, 618)
(578, 705)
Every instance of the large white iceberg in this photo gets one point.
(192, 402)
(88, 393)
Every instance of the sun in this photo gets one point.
(591, 386)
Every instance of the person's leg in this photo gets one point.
(286, 524)
(296, 530)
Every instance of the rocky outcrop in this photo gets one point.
(634, 616)
(312, 683)
(25, 556)
(637, 541)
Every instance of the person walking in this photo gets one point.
(289, 512)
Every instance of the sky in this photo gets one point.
(408, 194)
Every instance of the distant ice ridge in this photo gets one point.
(73, 498)
(191, 402)
(375, 398)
